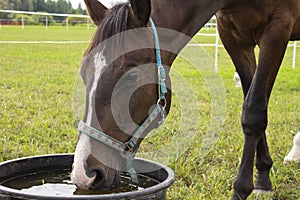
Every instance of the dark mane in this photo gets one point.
(115, 21)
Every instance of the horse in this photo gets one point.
(128, 92)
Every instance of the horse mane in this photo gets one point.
(116, 20)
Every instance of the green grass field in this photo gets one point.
(36, 117)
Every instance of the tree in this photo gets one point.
(79, 10)
(3, 5)
(17, 4)
(30, 5)
(39, 5)
(6, 5)
(62, 6)
(9, 4)
(69, 8)
(51, 6)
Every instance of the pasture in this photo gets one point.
(36, 117)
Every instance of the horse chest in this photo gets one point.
(245, 22)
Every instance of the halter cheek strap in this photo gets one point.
(162, 90)
(129, 149)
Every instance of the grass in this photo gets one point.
(36, 117)
(36, 89)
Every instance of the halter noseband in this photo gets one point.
(129, 149)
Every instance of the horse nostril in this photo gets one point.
(101, 177)
(98, 181)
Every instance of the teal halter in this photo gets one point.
(129, 149)
(162, 90)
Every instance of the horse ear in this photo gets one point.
(96, 10)
(141, 11)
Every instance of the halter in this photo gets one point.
(129, 149)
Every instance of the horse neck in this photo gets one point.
(185, 16)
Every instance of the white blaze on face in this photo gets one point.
(83, 148)
(99, 65)
(78, 175)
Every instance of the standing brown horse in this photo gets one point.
(242, 24)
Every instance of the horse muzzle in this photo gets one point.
(92, 175)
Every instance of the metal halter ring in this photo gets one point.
(164, 105)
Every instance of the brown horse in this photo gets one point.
(120, 90)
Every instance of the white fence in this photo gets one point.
(84, 17)
(217, 45)
(294, 54)
(210, 24)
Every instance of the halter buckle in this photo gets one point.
(161, 73)
(129, 146)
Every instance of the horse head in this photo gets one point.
(124, 96)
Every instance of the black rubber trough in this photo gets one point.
(17, 168)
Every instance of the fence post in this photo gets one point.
(46, 22)
(67, 23)
(22, 23)
(216, 50)
(294, 54)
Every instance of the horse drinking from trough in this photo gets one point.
(242, 25)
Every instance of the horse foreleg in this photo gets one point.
(243, 184)
(243, 58)
(254, 115)
(254, 123)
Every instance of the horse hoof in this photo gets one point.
(261, 191)
(265, 193)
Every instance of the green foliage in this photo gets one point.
(26, 18)
(41, 19)
(36, 88)
(75, 20)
